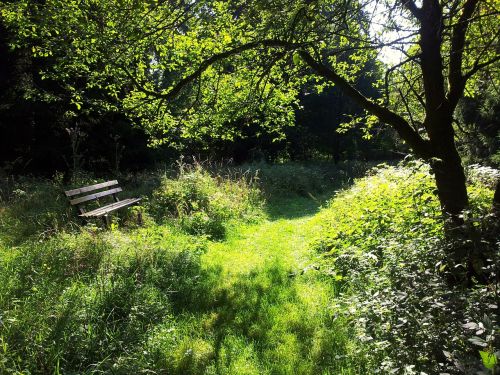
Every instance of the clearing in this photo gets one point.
(265, 308)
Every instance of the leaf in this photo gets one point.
(296, 58)
(478, 341)
(489, 359)
(471, 325)
(487, 322)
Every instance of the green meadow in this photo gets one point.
(223, 277)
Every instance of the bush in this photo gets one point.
(383, 242)
(203, 202)
(482, 175)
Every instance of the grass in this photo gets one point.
(162, 299)
(293, 285)
(263, 311)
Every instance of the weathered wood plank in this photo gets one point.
(101, 211)
(105, 209)
(86, 189)
(94, 196)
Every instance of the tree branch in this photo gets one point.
(177, 88)
(420, 146)
(412, 7)
(393, 68)
(478, 66)
(456, 80)
(431, 61)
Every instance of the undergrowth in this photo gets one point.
(80, 298)
(203, 203)
(84, 303)
(383, 240)
(210, 285)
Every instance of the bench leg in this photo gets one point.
(139, 218)
(106, 220)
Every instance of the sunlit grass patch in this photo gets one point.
(83, 302)
(158, 299)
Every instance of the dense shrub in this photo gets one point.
(482, 175)
(204, 202)
(382, 241)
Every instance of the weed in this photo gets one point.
(383, 239)
(204, 202)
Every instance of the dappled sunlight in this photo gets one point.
(263, 322)
(315, 288)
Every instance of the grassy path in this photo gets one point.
(249, 306)
(281, 239)
(264, 311)
(251, 247)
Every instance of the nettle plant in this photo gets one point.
(383, 242)
(486, 332)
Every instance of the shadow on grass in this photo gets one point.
(294, 207)
(267, 321)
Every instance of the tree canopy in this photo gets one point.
(185, 69)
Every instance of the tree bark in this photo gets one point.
(446, 164)
(496, 200)
(451, 185)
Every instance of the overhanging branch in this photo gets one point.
(177, 88)
(455, 78)
(420, 146)
(478, 66)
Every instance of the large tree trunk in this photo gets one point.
(451, 188)
(447, 166)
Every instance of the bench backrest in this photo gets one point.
(76, 197)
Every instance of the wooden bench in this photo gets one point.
(109, 188)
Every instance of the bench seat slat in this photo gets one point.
(101, 211)
(110, 207)
(94, 196)
(86, 189)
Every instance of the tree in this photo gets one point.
(186, 68)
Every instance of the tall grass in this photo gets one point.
(127, 300)
(210, 286)
(84, 303)
(204, 202)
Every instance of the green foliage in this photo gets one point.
(32, 207)
(83, 303)
(478, 128)
(378, 294)
(293, 178)
(131, 56)
(155, 300)
(204, 203)
(393, 200)
(383, 241)
(480, 176)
